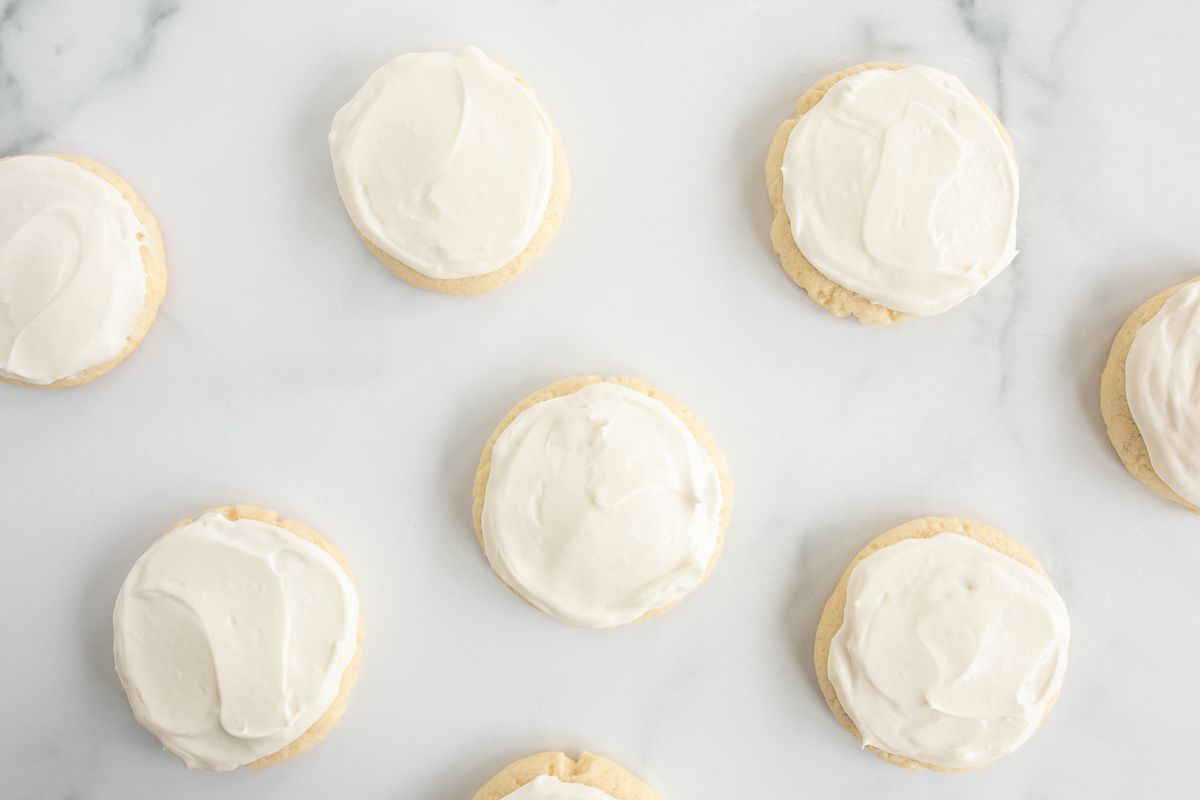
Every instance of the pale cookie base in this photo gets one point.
(835, 608)
(154, 257)
(321, 728)
(833, 297)
(478, 284)
(570, 385)
(1114, 404)
(590, 770)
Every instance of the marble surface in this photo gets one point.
(291, 370)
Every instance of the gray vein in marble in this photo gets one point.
(20, 128)
(994, 34)
(10, 92)
(994, 30)
(157, 12)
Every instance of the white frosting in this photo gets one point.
(901, 187)
(72, 281)
(1163, 391)
(231, 639)
(601, 506)
(444, 161)
(950, 652)
(548, 787)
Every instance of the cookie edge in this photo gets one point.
(825, 292)
(154, 262)
(556, 204)
(326, 722)
(1119, 424)
(590, 770)
(833, 613)
(566, 386)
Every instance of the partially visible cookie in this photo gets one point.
(1119, 418)
(881, 212)
(601, 501)
(450, 170)
(82, 270)
(964, 681)
(556, 776)
(237, 638)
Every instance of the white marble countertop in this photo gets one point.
(289, 369)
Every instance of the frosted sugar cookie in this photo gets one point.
(556, 776)
(82, 270)
(601, 501)
(450, 170)
(236, 637)
(944, 645)
(895, 193)
(1148, 394)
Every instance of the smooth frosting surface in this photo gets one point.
(548, 787)
(601, 506)
(901, 187)
(445, 161)
(231, 638)
(72, 281)
(1162, 385)
(950, 652)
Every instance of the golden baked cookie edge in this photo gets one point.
(154, 260)
(588, 769)
(834, 610)
(568, 386)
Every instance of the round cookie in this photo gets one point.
(1114, 402)
(342, 138)
(153, 255)
(320, 728)
(588, 770)
(568, 386)
(833, 297)
(835, 608)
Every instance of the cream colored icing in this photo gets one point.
(950, 652)
(901, 187)
(548, 787)
(1162, 386)
(601, 506)
(231, 637)
(444, 161)
(72, 281)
